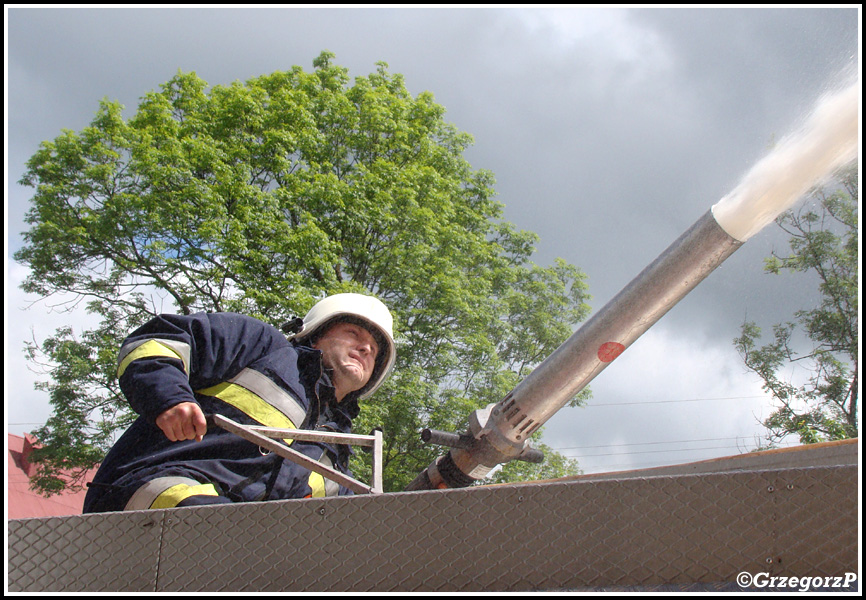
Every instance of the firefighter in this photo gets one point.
(176, 369)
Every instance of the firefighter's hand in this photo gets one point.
(184, 421)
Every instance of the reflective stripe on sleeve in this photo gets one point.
(152, 348)
(167, 492)
(176, 494)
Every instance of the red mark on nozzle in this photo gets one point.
(609, 351)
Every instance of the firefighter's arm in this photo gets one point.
(162, 362)
(153, 373)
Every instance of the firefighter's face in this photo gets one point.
(349, 350)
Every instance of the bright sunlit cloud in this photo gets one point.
(602, 30)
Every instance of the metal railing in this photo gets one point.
(265, 436)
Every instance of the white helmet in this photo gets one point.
(375, 317)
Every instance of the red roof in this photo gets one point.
(23, 503)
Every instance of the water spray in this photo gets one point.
(499, 433)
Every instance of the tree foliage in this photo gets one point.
(823, 241)
(261, 198)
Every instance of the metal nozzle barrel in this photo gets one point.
(685, 263)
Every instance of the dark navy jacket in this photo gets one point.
(232, 365)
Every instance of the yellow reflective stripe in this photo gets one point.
(145, 495)
(317, 484)
(265, 388)
(250, 404)
(322, 487)
(148, 349)
(177, 493)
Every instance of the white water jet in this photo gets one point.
(827, 141)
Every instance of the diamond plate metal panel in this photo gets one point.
(115, 552)
(690, 530)
(805, 503)
(665, 530)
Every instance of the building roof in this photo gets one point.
(24, 503)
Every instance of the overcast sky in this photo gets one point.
(610, 131)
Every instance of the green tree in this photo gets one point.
(262, 197)
(823, 241)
